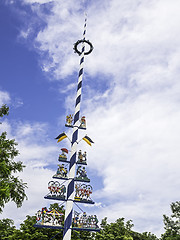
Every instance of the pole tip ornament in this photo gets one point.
(83, 41)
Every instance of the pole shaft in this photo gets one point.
(72, 167)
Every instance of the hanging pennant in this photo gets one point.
(88, 140)
(61, 137)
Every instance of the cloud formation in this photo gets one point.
(4, 97)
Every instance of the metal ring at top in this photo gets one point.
(83, 41)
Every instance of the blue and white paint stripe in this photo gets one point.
(72, 167)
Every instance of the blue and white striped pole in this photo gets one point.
(72, 167)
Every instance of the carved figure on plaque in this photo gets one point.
(56, 190)
(82, 158)
(83, 192)
(88, 191)
(83, 122)
(81, 174)
(61, 172)
(62, 156)
(51, 188)
(85, 221)
(76, 217)
(49, 217)
(69, 120)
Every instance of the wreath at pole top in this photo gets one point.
(83, 41)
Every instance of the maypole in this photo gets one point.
(76, 192)
(72, 167)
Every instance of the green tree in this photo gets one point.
(7, 229)
(11, 188)
(121, 231)
(4, 110)
(83, 235)
(115, 231)
(172, 223)
(148, 236)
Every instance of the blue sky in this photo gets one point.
(21, 73)
(130, 99)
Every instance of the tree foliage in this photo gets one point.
(121, 230)
(4, 110)
(118, 230)
(148, 236)
(7, 229)
(11, 187)
(172, 223)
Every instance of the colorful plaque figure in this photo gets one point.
(82, 158)
(84, 221)
(49, 217)
(62, 156)
(83, 123)
(81, 174)
(82, 193)
(56, 191)
(69, 120)
(61, 172)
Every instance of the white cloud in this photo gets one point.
(126, 35)
(137, 154)
(4, 97)
(69, 87)
(38, 1)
